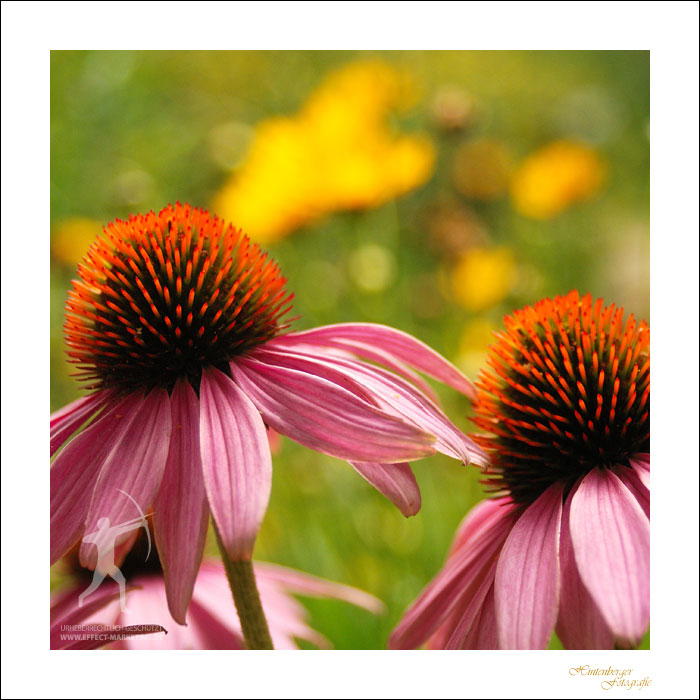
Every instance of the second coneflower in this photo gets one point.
(565, 542)
(176, 325)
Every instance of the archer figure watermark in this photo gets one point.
(104, 538)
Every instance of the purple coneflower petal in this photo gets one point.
(211, 630)
(65, 613)
(289, 615)
(644, 458)
(630, 477)
(180, 510)
(388, 341)
(484, 631)
(442, 594)
(285, 616)
(400, 397)
(470, 605)
(62, 415)
(580, 624)
(527, 576)
(327, 417)
(65, 610)
(147, 606)
(134, 465)
(395, 481)
(67, 420)
(389, 392)
(483, 514)
(305, 584)
(75, 470)
(236, 462)
(323, 367)
(352, 350)
(610, 534)
(641, 469)
(212, 602)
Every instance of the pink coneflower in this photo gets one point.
(176, 326)
(211, 620)
(565, 544)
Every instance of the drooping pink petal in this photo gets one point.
(212, 619)
(65, 413)
(631, 479)
(212, 594)
(135, 466)
(527, 576)
(316, 367)
(350, 349)
(610, 535)
(470, 530)
(294, 581)
(236, 462)
(470, 606)
(285, 615)
(94, 618)
(395, 481)
(289, 618)
(484, 631)
(67, 420)
(148, 606)
(400, 345)
(641, 467)
(482, 513)
(387, 391)
(644, 458)
(580, 624)
(327, 417)
(476, 616)
(180, 510)
(74, 473)
(441, 595)
(65, 611)
(213, 630)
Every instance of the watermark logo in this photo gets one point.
(611, 677)
(104, 539)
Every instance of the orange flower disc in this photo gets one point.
(162, 295)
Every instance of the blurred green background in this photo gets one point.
(431, 191)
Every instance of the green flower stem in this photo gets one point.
(241, 580)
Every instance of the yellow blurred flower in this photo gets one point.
(477, 335)
(71, 238)
(481, 169)
(555, 177)
(273, 192)
(474, 342)
(483, 277)
(337, 153)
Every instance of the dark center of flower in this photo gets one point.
(567, 391)
(162, 296)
